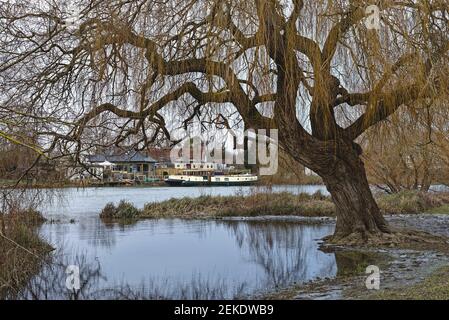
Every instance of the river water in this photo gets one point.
(82, 203)
(173, 258)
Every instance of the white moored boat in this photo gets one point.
(190, 179)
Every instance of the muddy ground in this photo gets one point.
(400, 267)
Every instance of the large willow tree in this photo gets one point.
(126, 70)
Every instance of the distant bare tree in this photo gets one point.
(410, 156)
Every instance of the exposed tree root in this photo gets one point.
(397, 237)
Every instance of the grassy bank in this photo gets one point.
(293, 180)
(20, 250)
(227, 206)
(275, 204)
(413, 202)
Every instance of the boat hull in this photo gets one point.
(183, 183)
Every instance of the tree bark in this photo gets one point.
(358, 215)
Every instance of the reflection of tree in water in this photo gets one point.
(98, 234)
(50, 281)
(355, 262)
(103, 232)
(202, 228)
(94, 231)
(287, 251)
(50, 284)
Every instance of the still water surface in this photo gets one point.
(80, 203)
(173, 258)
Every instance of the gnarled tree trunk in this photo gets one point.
(358, 216)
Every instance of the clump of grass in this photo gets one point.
(29, 217)
(320, 208)
(444, 209)
(186, 207)
(267, 203)
(411, 202)
(125, 210)
(255, 204)
(318, 195)
(21, 250)
(109, 211)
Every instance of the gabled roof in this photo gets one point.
(130, 157)
(160, 154)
